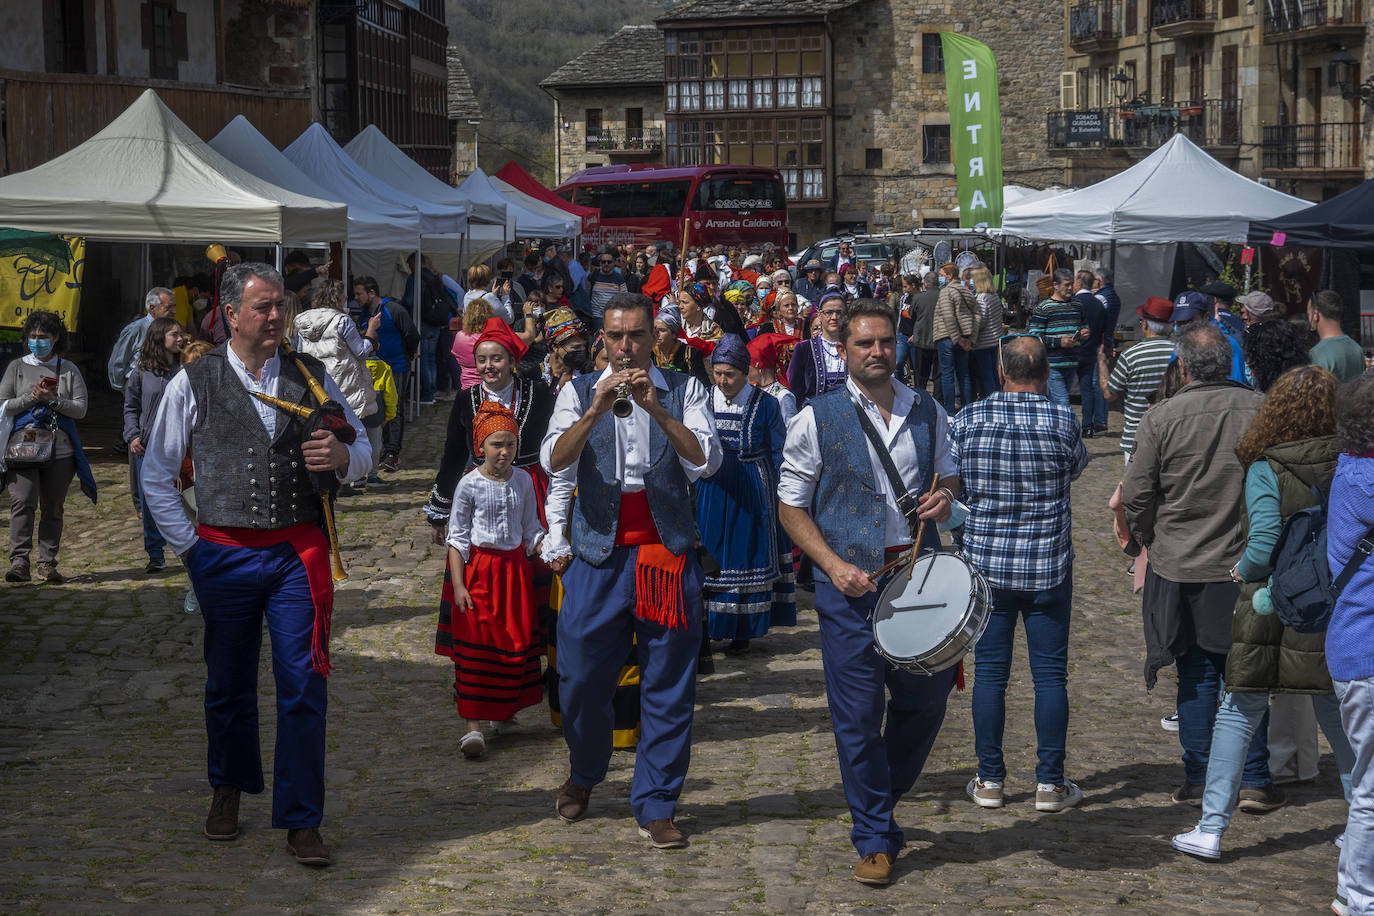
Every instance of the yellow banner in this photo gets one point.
(27, 284)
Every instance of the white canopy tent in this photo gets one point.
(374, 152)
(315, 153)
(241, 143)
(1176, 194)
(1020, 194)
(147, 177)
(534, 204)
(520, 219)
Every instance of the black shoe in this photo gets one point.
(155, 565)
(222, 823)
(307, 846)
(389, 463)
(18, 572)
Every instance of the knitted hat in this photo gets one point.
(732, 351)
(492, 417)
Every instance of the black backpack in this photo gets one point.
(436, 305)
(1300, 587)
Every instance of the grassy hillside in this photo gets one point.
(508, 47)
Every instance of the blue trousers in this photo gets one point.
(238, 587)
(1090, 396)
(983, 369)
(877, 765)
(1046, 617)
(905, 363)
(153, 543)
(429, 346)
(1061, 380)
(595, 627)
(955, 386)
(1199, 688)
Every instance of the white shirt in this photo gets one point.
(830, 352)
(171, 434)
(496, 514)
(787, 401)
(632, 459)
(505, 397)
(801, 456)
(557, 509)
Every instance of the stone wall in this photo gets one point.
(883, 100)
(573, 155)
(466, 143)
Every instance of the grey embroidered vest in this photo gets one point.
(243, 478)
(848, 506)
(596, 510)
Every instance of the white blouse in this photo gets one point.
(495, 514)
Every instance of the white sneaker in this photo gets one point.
(1197, 843)
(985, 794)
(1170, 722)
(1340, 907)
(1340, 840)
(473, 745)
(1057, 798)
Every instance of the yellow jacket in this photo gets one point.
(384, 381)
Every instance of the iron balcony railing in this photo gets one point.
(1298, 15)
(644, 138)
(1312, 146)
(1207, 122)
(1097, 20)
(1168, 12)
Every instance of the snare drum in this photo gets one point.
(927, 622)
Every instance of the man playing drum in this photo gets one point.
(837, 504)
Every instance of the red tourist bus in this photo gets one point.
(641, 204)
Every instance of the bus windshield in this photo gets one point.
(739, 194)
(636, 199)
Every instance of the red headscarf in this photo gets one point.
(497, 331)
(492, 417)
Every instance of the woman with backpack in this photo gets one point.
(1289, 451)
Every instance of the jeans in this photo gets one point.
(1356, 880)
(1046, 619)
(1237, 720)
(429, 343)
(394, 430)
(153, 543)
(927, 366)
(983, 368)
(954, 380)
(1090, 395)
(1061, 380)
(1199, 687)
(448, 375)
(905, 363)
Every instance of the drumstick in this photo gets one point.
(873, 577)
(920, 532)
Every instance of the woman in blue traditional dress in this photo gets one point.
(737, 508)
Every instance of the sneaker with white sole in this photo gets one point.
(1340, 907)
(985, 794)
(1170, 722)
(1340, 841)
(1197, 843)
(1057, 798)
(473, 745)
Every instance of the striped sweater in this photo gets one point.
(1052, 320)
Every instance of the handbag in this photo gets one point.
(32, 446)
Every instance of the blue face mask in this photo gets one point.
(943, 280)
(40, 347)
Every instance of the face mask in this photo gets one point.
(576, 360)
(40, 347)
(943, 281)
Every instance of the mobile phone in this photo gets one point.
(506, 275)
(48, 381)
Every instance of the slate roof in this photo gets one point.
(753, 9)
(632, 56)
(462, 101)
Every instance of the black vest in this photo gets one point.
(243, 478)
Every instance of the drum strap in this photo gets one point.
(906, 503)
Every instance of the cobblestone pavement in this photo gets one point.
(103, 791)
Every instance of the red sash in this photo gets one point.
(312, 547)
(658, 572)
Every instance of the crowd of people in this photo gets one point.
(650, 451)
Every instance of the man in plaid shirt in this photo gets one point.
(1017, 453)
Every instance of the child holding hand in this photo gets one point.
(487, 621)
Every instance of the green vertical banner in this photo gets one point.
(975, 129)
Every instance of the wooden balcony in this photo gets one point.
(42, 115)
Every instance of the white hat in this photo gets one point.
(754, 260)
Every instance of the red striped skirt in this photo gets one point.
(495, 646)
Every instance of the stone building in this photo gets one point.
(1270, 89)
(846, 98)
(67, 67)
(464, 118)
(608, 102)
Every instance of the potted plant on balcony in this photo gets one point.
(1190, 109)
(1126, 114)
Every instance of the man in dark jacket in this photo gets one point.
(1089, 391)
(1183, 494)
(397, 342)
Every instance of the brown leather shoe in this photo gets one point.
(663, 834)
(307, 846)
(875, 869)
(222, 823)
(572, 802)
(18, 572)
(48, 573)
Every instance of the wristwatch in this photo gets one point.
(1235, 575)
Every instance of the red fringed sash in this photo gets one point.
(313, 548)
(658, 571)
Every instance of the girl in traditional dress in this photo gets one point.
(737, 508)
(767, 353)
(488, 608)
(670, 352)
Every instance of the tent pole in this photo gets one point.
(415, 295)
(278, 252)
(145, 265)
(1112, 257)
